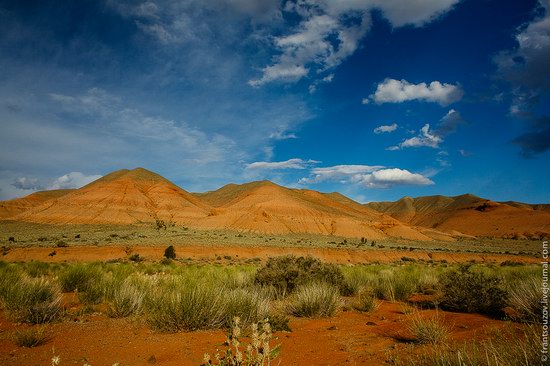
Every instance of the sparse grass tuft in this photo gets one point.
(525, 299)
(504, 348)
(429, 330)
(366, 301)
(31, 337)
(315, 299)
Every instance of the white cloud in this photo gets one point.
(330, 32)
(416, 12)
(368, 176)
(365, 101)
(398, 91)
(327, 79)
(387, 178)
(385, 128)
(425, 138)
(72, 180)
(433, 138)
(282, 135)
(26, 183)
(288, 73)
(338, 172)
(288, 164)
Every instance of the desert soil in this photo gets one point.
(349, 338)
(240, 253)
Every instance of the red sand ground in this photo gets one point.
(198, 252)
(340, 340)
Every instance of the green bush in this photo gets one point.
(286, 273)
(170, 252)
(248, 304)
(314, 299)
(472, 291)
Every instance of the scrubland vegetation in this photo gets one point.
(171, 297)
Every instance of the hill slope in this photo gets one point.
(470, 215)
(122, 197)
(269, 208)
(16, 206)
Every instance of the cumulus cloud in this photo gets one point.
(330, 31)
(424, 138)
(387, 178)
(26, 183)
(339, 173)
(287, 164)
(367, 176)
(72, 180)
(398, 91)
(385, 128)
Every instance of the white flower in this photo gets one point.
(56, 360)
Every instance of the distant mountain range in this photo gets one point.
(139, 196)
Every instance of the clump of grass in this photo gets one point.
(279, 322)
(472, 291)
(525, 299)
(126, 299)
(257, 353)
(94, 291)
(249, 305)
(79, 277)
(366, 301)
(177, 306)
(286, 273)
(37, 269)
(429, 330)
(31, 337)
(33, 300)
(395, 286)
(314, 299)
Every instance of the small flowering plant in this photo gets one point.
(256, 353)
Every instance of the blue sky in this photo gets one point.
(374, 99)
